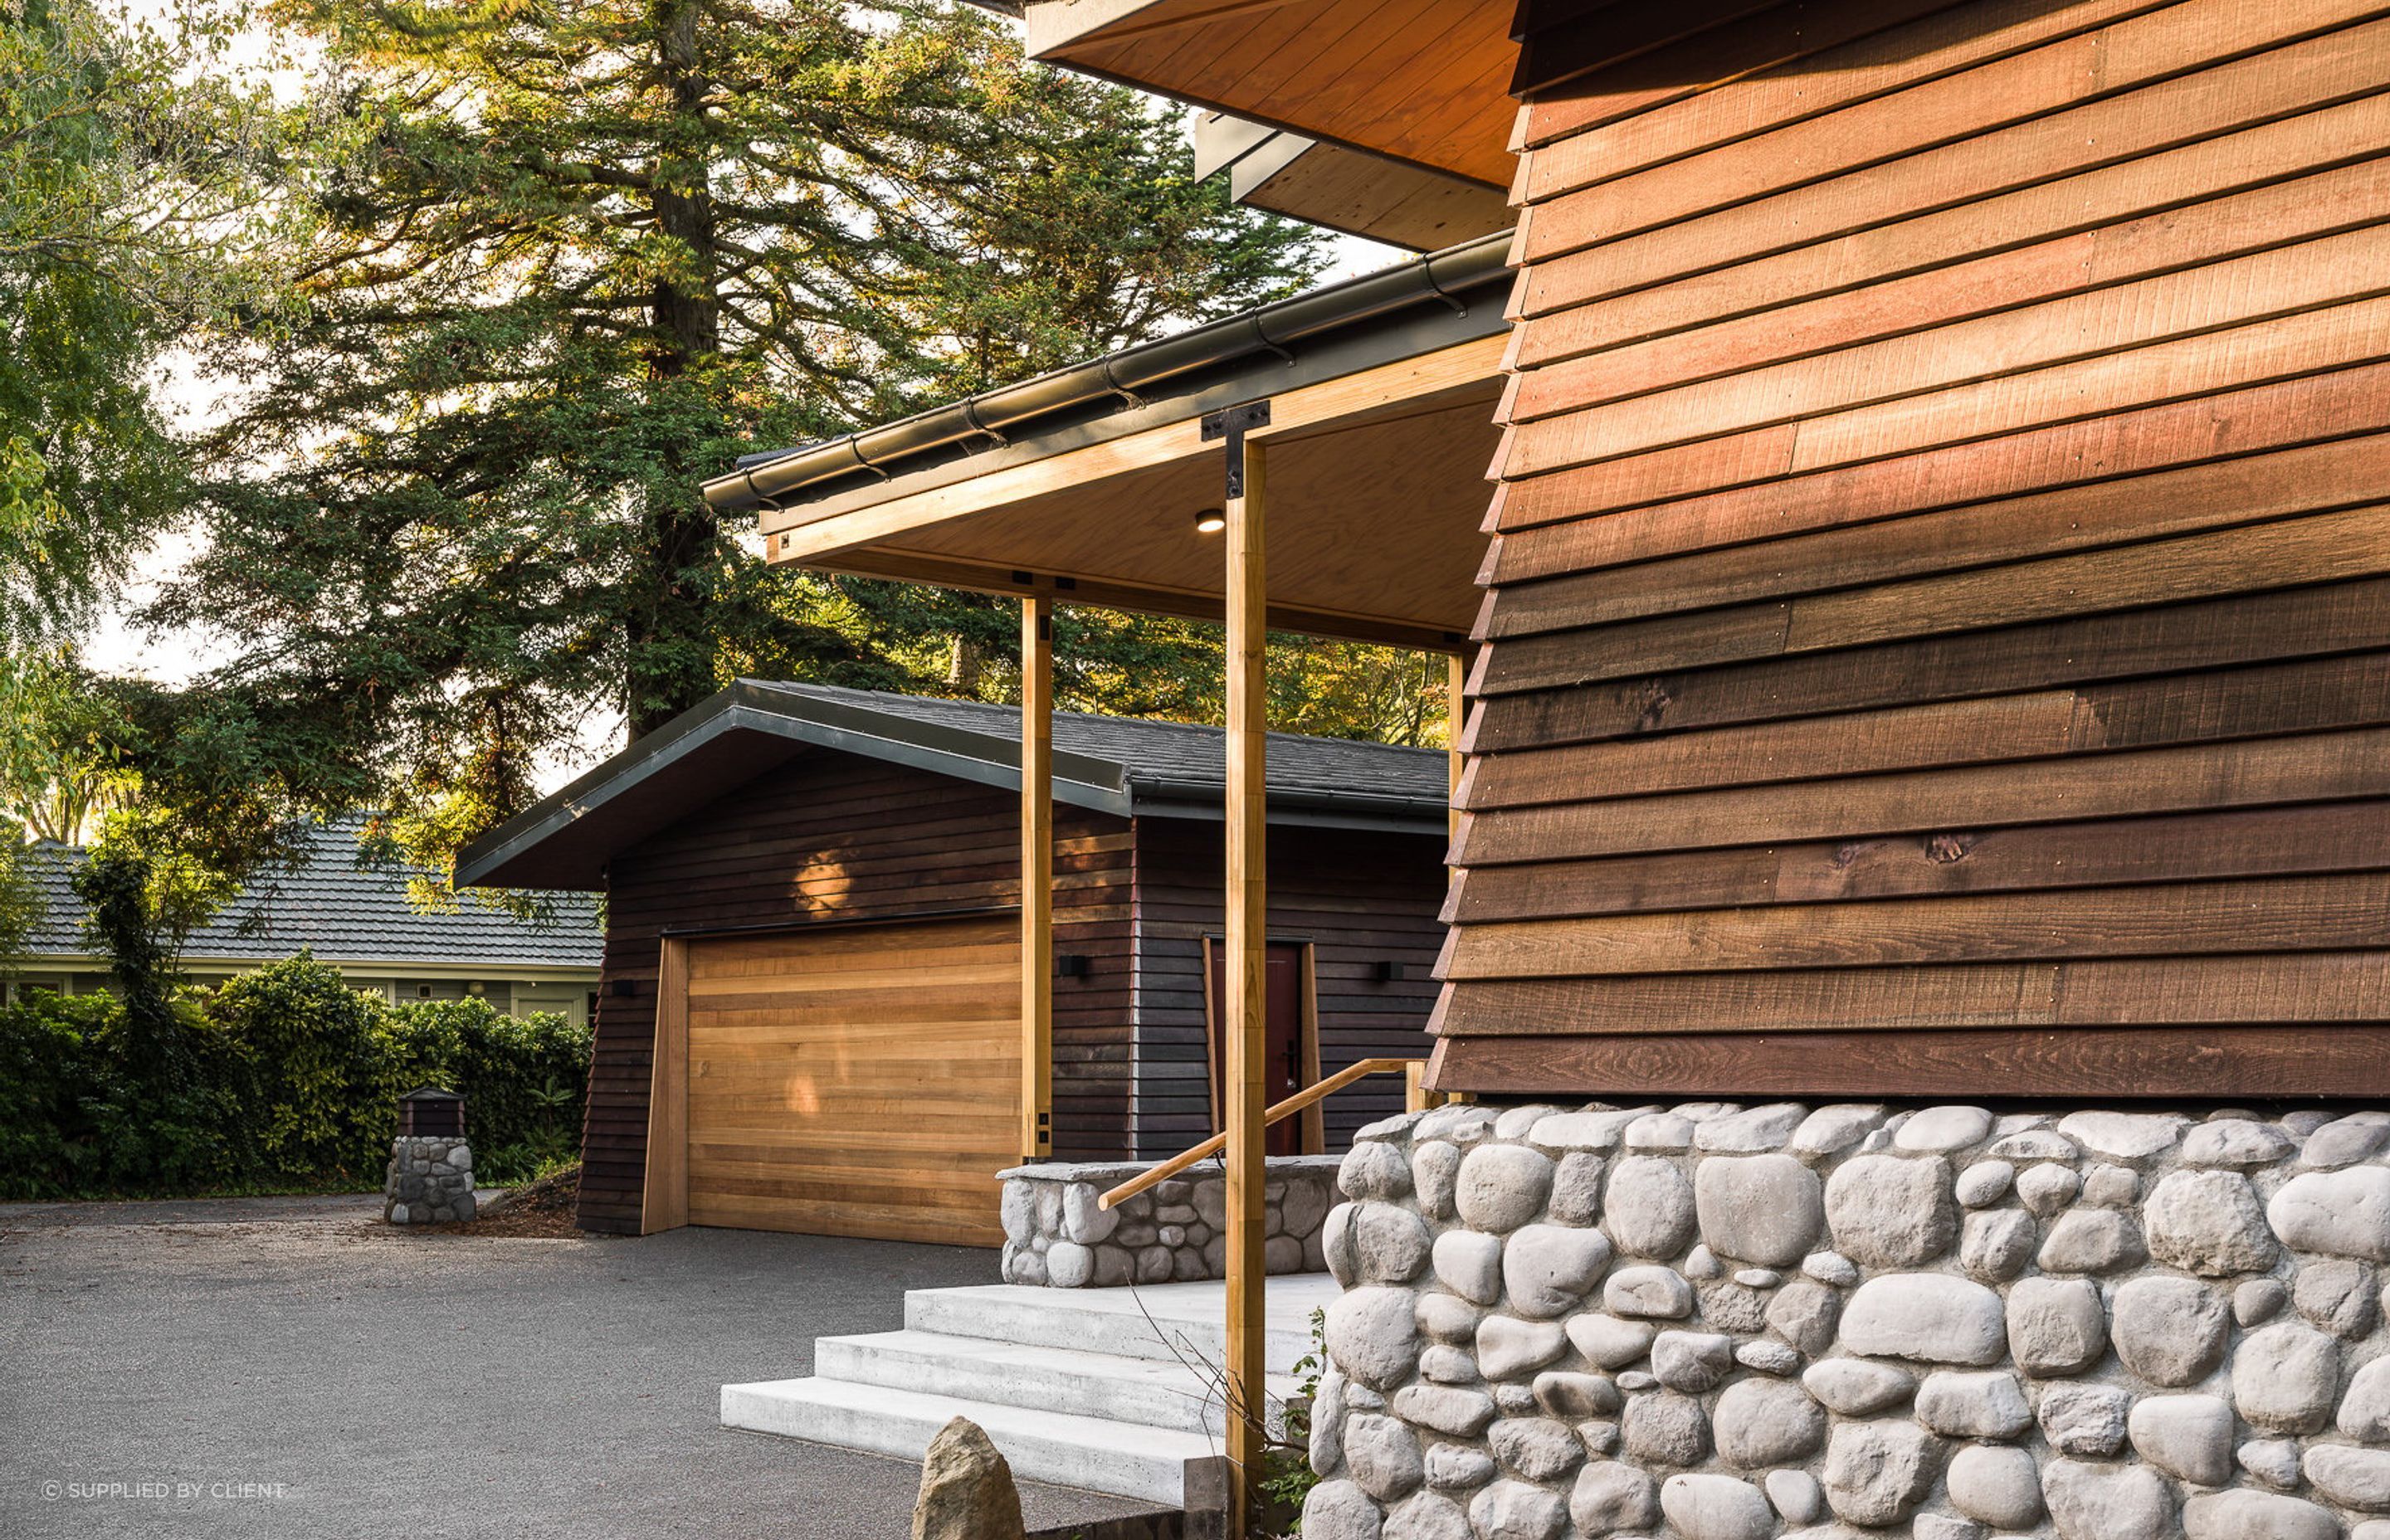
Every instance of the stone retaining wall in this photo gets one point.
(1055, 1235)
(1720, 1323)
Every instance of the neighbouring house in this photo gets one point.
(810, 1019)
(358, 917)
(1926, 650)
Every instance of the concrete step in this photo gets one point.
(1150, 1391)
(1166, 1321)
(1124, 1460)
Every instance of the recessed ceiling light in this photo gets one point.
(1210, 521)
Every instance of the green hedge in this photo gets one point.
(295, 1086)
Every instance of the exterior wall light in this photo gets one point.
(1210, 521)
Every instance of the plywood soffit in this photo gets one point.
(1379, 480)
(1085, 484)
(1344, 189)
(1432, 92)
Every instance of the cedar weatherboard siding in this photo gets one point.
(1942, 489)
(839, 837)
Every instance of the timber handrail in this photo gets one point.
(1283, 1109)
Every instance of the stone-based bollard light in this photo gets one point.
(431, 1176)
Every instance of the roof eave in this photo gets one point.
(807, 722)
(1199, 800)
(1297, 813)
(1134, 377)
(754, 706)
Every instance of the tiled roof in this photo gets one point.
(346, 911)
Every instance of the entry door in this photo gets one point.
(860, 1081)
(1283, 1069)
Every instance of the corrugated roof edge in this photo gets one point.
(995, 416)
(782, 711)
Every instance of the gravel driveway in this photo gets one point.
(292, 1367)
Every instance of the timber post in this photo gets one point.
(1037, 878)
(1244, 1013)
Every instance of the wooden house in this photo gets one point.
(809, 1019)
(1927, 631)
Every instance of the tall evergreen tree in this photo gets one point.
(134, 169)
(126, 162)
(570, 258)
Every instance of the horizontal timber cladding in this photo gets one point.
(843, 838)
(858, 1079)
(1937, 635)
(2153, 1062)
(1359, 899)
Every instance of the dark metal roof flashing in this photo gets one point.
(1454, 277)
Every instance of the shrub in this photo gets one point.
(308, 1044)
(288, 1078)
(82, 1107)
(151, 1134)
(45, 1045)
(522, 1078)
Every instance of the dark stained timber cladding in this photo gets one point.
(1359, 899)
(1942, 491)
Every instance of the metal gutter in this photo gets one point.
(992, 418)
(1197, 799)
(1324, 816)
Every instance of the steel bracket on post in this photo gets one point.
(1232, 424)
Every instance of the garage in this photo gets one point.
(810, 1019)
(858, 1080)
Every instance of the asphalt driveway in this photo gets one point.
(292, 1367)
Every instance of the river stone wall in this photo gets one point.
(1054, 1234)
(1726, 1323)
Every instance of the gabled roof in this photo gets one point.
(1122, 765)
(344, 910)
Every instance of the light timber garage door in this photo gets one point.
(860, 1081)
